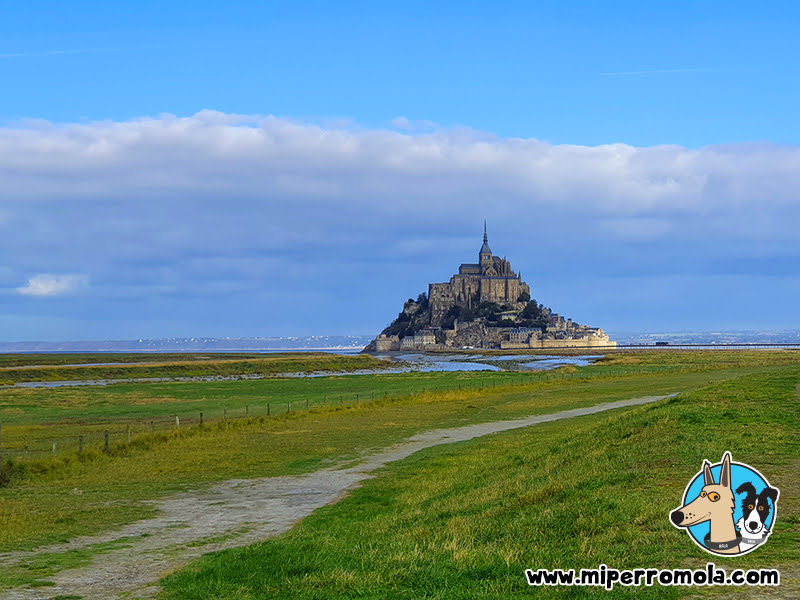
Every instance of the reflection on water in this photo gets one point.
(552, 362)
(410, 363)
(420, 361)
(52, 384)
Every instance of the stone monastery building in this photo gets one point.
(490, 280)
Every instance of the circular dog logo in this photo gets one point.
(728, 509)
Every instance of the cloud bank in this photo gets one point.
(212, 153)
(279, 213)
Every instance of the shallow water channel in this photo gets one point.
(398, 363)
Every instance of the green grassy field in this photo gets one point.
(50, 499)
(80, 358)
(40, 507)
(33, 368)
(62, 414)
(465, 521)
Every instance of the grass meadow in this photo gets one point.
(50, 498)
(466, 520)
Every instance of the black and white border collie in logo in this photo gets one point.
(728, 508)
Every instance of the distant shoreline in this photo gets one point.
(89, 350)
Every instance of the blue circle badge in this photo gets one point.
(728, 509)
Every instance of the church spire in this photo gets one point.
(485, 251)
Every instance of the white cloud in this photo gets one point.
(217, 155)
(46, 284)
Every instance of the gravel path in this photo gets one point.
(235, 513)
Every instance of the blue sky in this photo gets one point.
(298, 168)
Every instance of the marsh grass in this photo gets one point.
(39, 418)
(70, 358)
(193, 366)
(62, 497)
(466, 520)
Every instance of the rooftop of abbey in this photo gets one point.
(484, 305)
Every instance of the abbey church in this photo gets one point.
(490, 280)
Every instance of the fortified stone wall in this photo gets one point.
(440, 300)
(502, 290)
(465, 287)
(538, 344)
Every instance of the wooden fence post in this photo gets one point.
(177, 422)
(105, 445)
(268, 411)
(225, 414)
(54, 448)
(129, 433)
(201, 417)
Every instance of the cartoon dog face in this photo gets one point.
(715, 499)
(710, 504)
(755, 508)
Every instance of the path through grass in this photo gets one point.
(464, 521)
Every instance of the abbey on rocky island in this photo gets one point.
(485, 305)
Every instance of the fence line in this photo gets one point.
(103, 434)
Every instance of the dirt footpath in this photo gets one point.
(235, 513)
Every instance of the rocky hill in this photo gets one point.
(484, 305)
(488, 325)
